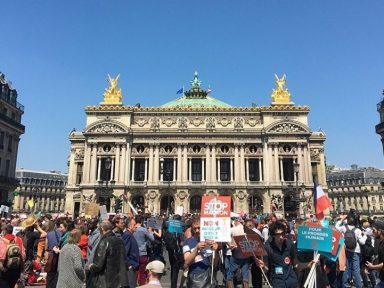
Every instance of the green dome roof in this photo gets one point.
(195, 97)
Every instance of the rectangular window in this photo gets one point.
(253, 170)
(79, 173)
(225, 170)
(105, 172)
(2, 138)
(196, 170)
(139, 170)
(7, 166)
(288, 173)
(10, 142)
(168, 170)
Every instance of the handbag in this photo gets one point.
(53, 260)
(201, 280)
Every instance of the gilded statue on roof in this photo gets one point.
(281, 95)
(113, 94)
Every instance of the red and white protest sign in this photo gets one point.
(336, 235)
(250, 245)
(215, 222)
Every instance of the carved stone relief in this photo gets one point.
(169, 122)
(196, 122)
(154, 123)
(210, 123)
(183, 123)
(224, 122)
(253, 121)
(106, 128)
(141, 121)
(79, 154)
(238, 123)
(287, 128)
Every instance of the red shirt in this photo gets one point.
(83, 245)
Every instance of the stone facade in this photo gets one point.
(10, 131)
(40, 191)
(359, 188)
(162, 158)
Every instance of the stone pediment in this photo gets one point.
(106, 127)
(287, 128)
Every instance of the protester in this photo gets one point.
(132, 255)
(71, 263)
(108, 263)
(11, 261)
(156, 271)
(52, 240)
(142, 236)
(379, 234)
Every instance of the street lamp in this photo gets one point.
(296, 167)
(367, 198)
(165, 171)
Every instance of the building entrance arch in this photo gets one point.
(290, 209)
(195, 204)
(167, 204)
(255, 204)
(138, 202)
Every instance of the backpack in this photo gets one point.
(350, 238)
(13, 257)
(170, 240)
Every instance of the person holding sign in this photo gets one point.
(197, 258)
(282, 258)
(378, 230)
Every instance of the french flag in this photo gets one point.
(322, 202)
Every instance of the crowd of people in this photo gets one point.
(124, 251)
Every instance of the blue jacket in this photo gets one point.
(132, 255)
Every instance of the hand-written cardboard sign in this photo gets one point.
(92, 209)
(215, 218)
(314, 238)
(250, 245)
(175, 226)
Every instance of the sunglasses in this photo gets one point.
(196, 228)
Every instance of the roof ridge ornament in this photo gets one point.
(196, 83)
(113, 94)
(281, 95)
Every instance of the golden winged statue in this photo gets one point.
(281, 95)
(113, 94)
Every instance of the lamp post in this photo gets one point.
(105, 192)
(296, 167)
(367, 198)
(165, 171)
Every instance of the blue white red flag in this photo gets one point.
(180, 91)
(322, 202)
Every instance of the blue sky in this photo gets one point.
(58, 54)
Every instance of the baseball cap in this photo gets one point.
(156, 266)
(379, 225)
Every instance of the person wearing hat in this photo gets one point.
(155, 270)
(378, 231)
(29, 225)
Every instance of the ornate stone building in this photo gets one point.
(163, 158)
(40, 191)
(360, 188)
(10, 131)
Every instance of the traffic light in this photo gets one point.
(118, 205)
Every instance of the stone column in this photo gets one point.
(242, 163)
(146, 169)
(133, 170)
(98, 170)
(112, 170)
(247, 169)
(260, 170)
(232, 172)
(277, 177)
(116, 173)
(218, 170)
(208, 169)
(237, 166)
(93, 165)
(185, 163)
(190, 170)
(127, 174)
(281, 170)
(156, 164)
(174, 169)
(151, 164)
(179, 163)
(87, 162)
(122, 163)
(213, 163)
(307, 161)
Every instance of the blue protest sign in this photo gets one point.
(334, 257)
(175, 226)
(325, 223)
(152, 222)
(314, 238)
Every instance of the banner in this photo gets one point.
(175, 226)
(314, 238)
(152, 222)
(250, 245)
(103, 213)
(215, 221)
(92, 209)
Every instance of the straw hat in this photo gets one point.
(30, 221)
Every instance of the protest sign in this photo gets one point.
(175, 226)
(152, 222)
(215, 218)
(314, 238)
(17, 229)
(250, 245)
(92, 209)
(103, 212)
(179, 210)
(336, 236)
